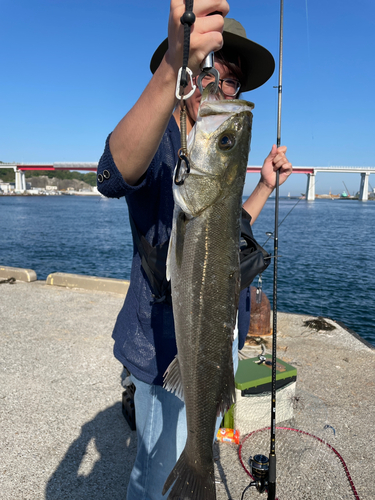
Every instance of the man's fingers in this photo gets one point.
(205, 8)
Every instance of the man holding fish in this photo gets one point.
(200, 216)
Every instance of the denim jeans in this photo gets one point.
(161, 437)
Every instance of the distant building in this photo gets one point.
(6, 187)
(34, 190)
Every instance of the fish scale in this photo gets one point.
(203, 265)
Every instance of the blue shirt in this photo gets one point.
(144, 332)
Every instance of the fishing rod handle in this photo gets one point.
(272, 478)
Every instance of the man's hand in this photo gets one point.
(276, 160)
(206, 32)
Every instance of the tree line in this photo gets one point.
(7, 175)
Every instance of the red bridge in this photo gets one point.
(311, 172)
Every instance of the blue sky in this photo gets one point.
(70, 69)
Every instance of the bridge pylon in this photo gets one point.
(363, 188)
(310, 187)
(20, 184)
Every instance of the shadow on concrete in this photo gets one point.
(221, 479)
(98, 463)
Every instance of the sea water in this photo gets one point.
(326, 263)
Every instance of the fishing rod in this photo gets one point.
(272, 456)
(263, 469)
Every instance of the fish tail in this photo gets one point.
(190, 483)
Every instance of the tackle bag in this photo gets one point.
(253, 258)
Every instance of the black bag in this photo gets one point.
(253, 258)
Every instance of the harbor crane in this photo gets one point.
(347, 190)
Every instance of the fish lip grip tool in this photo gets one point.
(208, 68)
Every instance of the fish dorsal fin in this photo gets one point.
(173, 379)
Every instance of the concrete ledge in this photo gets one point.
(88, 282)
(18, 273)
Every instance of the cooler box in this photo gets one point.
(253, 381)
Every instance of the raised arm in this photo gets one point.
(136, 138)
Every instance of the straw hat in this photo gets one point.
(257, 63)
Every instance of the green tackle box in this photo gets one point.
(254, 378)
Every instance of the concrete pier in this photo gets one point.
(62, 430)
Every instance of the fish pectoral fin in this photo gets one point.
(168, 261)
(171, 245)
(173, 379)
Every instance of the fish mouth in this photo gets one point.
(210, 97)
(212, 114)
(215, 105)
(224, 107)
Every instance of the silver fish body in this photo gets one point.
(203, 265)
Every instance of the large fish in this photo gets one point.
(203, 265)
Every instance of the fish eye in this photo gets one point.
(226, 141)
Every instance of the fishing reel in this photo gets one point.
(259, 468)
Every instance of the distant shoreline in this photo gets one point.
(8, 195)
(90, 194)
